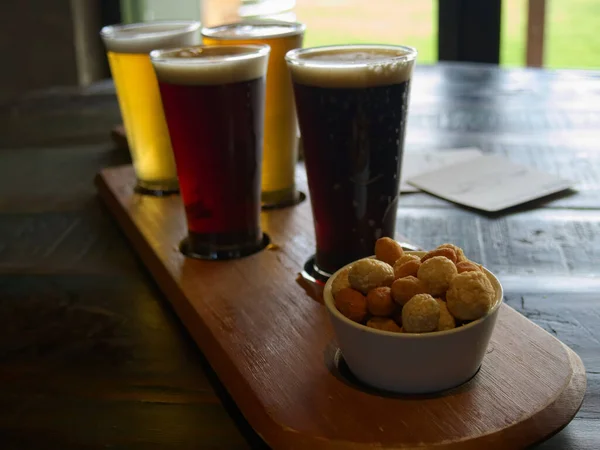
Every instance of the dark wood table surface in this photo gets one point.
(91, 354)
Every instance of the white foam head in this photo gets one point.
(351, 66)
(254, 29)
(210, 65)
(148, 36)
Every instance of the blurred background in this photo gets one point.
(56, 43)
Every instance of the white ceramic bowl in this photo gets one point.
(413, 363)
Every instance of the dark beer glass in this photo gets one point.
(214, 100)
(352, 103)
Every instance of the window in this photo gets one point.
(570, 36)
(406, 22)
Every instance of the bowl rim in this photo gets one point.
(330, 305)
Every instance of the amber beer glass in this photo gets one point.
(214, 100)
(352, 102)
(128, 48)
(280, 150)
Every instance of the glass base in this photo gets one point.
(281, 199)
(313, 273)
(221, 253)
(156, 189)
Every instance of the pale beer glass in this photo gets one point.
(280, 151)
(128, 48)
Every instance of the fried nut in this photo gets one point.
(446, 252)
(471, 296)
(467, 266)
(367, 274)
(388, 250)
(351, 304)
(403, 289)
(437, 273)
(384, 324)
(446, 321)
(340, 282)
(421, 314)
(460, 254)
(409, 268)
(379, 301)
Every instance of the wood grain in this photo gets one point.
(145, 385)
(271, 345)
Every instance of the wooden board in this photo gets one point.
(272, 346)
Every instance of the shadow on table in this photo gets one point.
(252, 438)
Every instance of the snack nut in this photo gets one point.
(467, 266)
(437, 273)
(384, 324)
(409, 268)
(406, 288)
(447, 321)
(351, 304)
(367, 274)
(411, 294)
(470, 296)
(421, 314)
(406, 258)
(379, 301)
(460, 255)
(340, 282)
(388, 250)
(445, 252)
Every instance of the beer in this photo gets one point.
(352, 104)
(128, 48)
(280, 150)
(214, 99)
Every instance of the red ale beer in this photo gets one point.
(352, 103)
(214, 100)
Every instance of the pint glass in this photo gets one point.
(128, 48)
(280, 150)
(214, 99)
(352, 103)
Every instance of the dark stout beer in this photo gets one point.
(352, 104)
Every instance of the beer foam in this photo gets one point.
(355, 66)
(255, 29)
(145, 37)
(209, 65)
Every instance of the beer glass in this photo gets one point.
(280, 150)
(214, 100)
(128, 48)
(352, 103)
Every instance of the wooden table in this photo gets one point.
(91, 354)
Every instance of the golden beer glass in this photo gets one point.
(128, 48)
(280, 149)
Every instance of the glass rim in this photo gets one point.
(294, 56)
(161, 56)
(296, 29)
(112, 31)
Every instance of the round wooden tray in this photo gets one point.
(273, 348)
